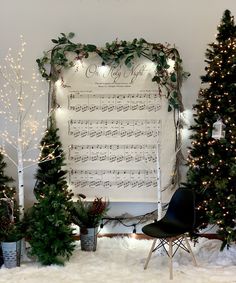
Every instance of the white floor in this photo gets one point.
(122, 260)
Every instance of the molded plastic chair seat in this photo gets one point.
(163, 230)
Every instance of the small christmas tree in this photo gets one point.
(9, 210)
(50, 234)
(6, 192)
(212, 158)
(4, 179)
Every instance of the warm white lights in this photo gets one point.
(103, 70)
(18, 99)
(23, 122)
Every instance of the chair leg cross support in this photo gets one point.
(176, 243)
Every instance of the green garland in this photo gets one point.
(114, 53)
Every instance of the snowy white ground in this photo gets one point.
(122, 259)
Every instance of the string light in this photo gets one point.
(140, 219)
(24, 122)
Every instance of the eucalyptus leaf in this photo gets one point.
(62, 40)
(156, 79)
(173, 77)
(142, 40)
(128, 60)
(71, 35)
(91, 47)
(174, 94)
(158, 68)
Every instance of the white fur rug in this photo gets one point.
(121, 260)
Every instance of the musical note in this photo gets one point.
(114, 128)
(113, 153)
(113, 102)
(108, 178)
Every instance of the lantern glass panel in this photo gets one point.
(218, 130)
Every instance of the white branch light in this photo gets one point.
(218, 130)
(24, 123)
(19, 101)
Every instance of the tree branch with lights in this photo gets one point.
(23, 122)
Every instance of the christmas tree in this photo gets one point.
(212, 159)
(50, 233)
(7, 193)
(10, 228)
(4, 179)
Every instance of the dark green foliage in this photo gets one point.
(4, 179)
(49, 232)
(211, 161)
(10, 226)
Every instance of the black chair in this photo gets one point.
(172, 228)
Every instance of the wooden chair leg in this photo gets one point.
(171, 257)
(150, 254)
(190, 250)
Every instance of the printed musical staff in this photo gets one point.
(113, 153)
(111, 134)
(114, 128)
(113, 178)
(82, 102)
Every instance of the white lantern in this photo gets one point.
(218, 130)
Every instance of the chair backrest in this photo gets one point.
(181, 209)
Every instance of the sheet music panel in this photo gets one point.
(111, 120)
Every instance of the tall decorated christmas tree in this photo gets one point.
(212, 156)
(50, 233)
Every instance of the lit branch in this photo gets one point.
(23, 120)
